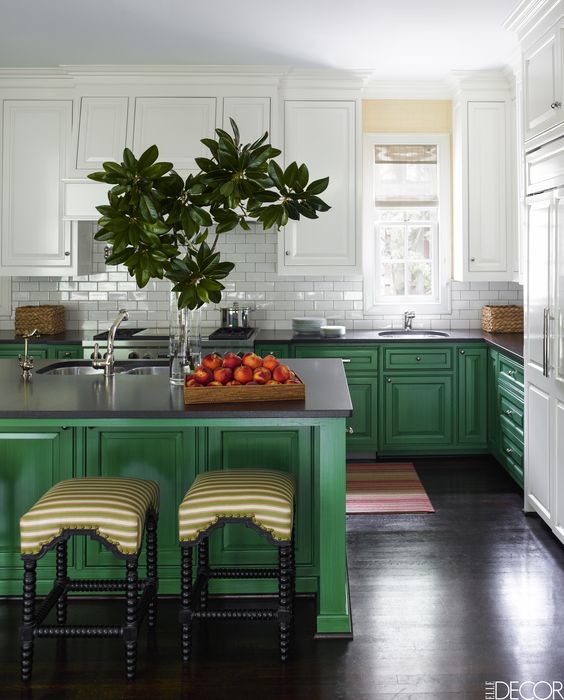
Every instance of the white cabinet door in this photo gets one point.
(542, 84)
(487, 186)
(102, 132)
(34, 237)
(175, 125)
(556, 328)
(252, 115)
(559, 471)
(323, 135)
(538, 465)
(5, 296)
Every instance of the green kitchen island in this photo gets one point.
(57, 427)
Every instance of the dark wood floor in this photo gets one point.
(441, 604)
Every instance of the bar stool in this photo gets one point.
(260, 499)
(113, 511)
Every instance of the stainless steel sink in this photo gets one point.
(151, 369)
(416, 334)
(72, 370)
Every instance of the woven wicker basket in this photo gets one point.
(49, 320)
(502, 319)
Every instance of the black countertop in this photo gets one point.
(66, 338)
(91, 396)
(509, 343)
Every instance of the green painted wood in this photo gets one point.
(64, 352)
(276, 349)
(364, 420)
(167, 456)
(472, 368)
(38, 351)
(418, 357)
(512, 373)
(332, 601)
(285, 450)
(493, 402)
(416, 411)
(363, 358)
(31, 460)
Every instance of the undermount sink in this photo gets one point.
(84, 367)
(151, 369)
(414, 334)
(73, 370)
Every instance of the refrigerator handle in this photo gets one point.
(545, 342)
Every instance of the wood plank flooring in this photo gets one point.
(441, 604)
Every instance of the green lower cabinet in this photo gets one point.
(32, 460)
(493, 403)
(40, 352)
(416, 412)
(167, 456)
(472, 370)
(277, 349)
(64, 352)
(289, 450)
(362, 426)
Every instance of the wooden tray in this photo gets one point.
(238, 394)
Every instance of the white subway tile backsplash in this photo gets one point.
(92, 301)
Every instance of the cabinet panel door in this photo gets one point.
(541, 80)
(102, 131)
(276, 349)
(175, 125)
(364, 423)
(487, 186)
(64, 352)
(538, 471)
(354, 357)
(417, 411)
(493, 402)
(285, 450)
(559, 471)
(32, 461)
(557, 315)
(323, 135)
(8, 351)
(35, 135)
(252, 115)
(165, 456)
(472, 396)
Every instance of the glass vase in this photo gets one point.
(185, 341)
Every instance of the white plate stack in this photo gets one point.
(333, 331)
(307, 324)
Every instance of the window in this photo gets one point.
(407, 222)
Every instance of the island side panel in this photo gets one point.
(333, 615)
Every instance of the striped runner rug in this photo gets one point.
(385, 488)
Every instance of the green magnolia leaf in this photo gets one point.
(142, 277)
(148, 157)
(120, 257)
(317, 186)
(111, 167)
(290, 174)
(236, 135)
(303, 176)
(276, 174)
(129, 159)
(206, 164)
(157, 170)
(98, 177)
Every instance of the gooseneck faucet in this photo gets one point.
(408, 317)
(107, 363)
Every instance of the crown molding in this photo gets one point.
(529, 14)
(407, 90)
(480, 80)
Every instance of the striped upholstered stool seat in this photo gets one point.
(114, 511)
(258, 498)
(114, 508)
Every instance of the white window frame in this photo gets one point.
(374, 302)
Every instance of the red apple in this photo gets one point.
(234, 382)
(202, 375)
(292, 381)
(251, 360)
(190, 381)
(261, 375)
(231, 360)
(272, 381)
(212, 362)
(223, 375)
(215, 383)
(243, 374)
(281, 373)
(270, 362)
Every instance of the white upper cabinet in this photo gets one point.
(35, 240)
(175, 125)
(323, 134)
(252, 115)
(484, 210)
(102, 132)
(542, 68)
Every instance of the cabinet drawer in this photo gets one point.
(278, 350)
(511, 447)
(417, 358)
(512, 373)
(354, 358)
(511, 408)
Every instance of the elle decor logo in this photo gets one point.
(524, 690)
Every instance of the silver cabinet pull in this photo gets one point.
(345, 361)
(472, 259)
(287, 252)
(463, 352)
(388, 380)
(418, 358)
(349, 430)
(556, 105)
(508, 450)
(509, 412)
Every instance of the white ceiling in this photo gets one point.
(394, 38)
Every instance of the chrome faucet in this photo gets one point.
(107, 364)
(408, 317)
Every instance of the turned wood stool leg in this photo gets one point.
(152, 568)
(203, 571)
(62, 580)
(186, 603)
(130, 630)
(284, 599)
(28, 619)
